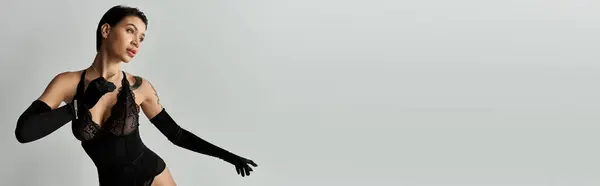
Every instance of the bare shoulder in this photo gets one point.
(67, 77)
(61, 88)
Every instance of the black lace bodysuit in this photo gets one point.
(120, 156)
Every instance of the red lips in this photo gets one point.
(131, 52)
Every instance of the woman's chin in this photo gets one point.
(126, 59)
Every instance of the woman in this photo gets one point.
(103, 104)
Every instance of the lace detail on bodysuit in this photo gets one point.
(123, 119)
(125, 112)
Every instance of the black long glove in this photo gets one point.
(39, 120)
(185, 139)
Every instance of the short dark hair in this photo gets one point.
(113, 16)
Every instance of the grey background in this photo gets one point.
(412, 93)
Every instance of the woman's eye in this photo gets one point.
(130, 30)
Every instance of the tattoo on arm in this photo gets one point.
(138, 82)
(155, 94)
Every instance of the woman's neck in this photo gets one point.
(106, 67)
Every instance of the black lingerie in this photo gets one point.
(115, 147)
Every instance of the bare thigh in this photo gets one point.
(164, 179)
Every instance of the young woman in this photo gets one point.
(103, 104)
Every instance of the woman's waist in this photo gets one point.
(134, 159)
(145, 164)
(116, 154)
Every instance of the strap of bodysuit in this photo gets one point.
(80, 86)
(124, 80)
(79, 94)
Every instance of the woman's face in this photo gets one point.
(124, 40)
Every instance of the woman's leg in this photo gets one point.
(164, 179)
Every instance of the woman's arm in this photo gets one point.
(44, 115)
(169, 128)
(183, 138)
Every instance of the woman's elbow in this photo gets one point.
(22, 137)
(21, 133)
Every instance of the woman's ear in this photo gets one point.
(105, 30)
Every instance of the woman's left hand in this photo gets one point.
(242, 165)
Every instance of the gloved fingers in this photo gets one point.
(111, 87)
(247, 169)
(103, 85)
(108, 86)
(237, 169)
(252, 163)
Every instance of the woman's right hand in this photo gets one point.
(96, 89)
